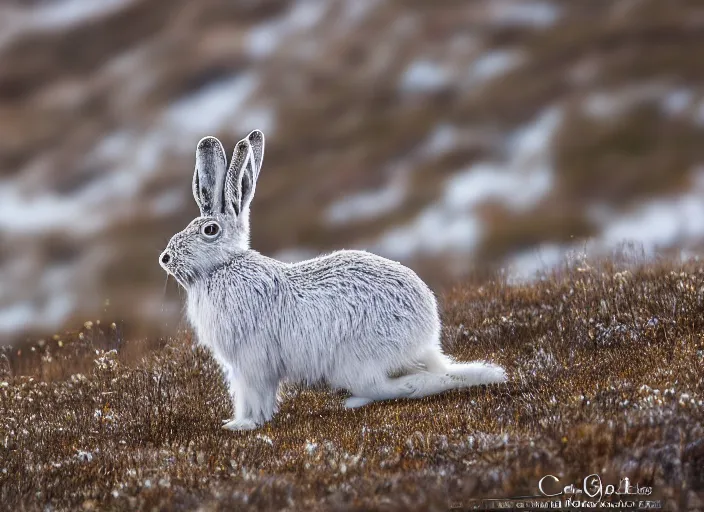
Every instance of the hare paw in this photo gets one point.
(241, 424)
(354, 402)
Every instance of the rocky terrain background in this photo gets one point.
(451, 135)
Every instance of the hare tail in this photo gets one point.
(440, 374)
(465, 374)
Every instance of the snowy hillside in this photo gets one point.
(449, 135)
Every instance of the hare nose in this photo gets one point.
(165, 258)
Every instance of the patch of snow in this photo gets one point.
(601, 105)
(611, 104)
(67, 13)
(113, 146)
(355, 11)
(521, 181)
(266, 439)
(464, 45)
(167, 203)
(524, 13)
(375, 203)
(21, 315)
(488, 181)
(87, 210)
(526, 265)
(60, 304)
(12, 271)
(213, 106)
(84, 456)
(261, 118)
(57, 310)
(59, 276)
(660, 223)
(531, 143)
(148, 151)
(368, 204)
(446, 137)
(677, 102)
(435, 230)
(424, 76)
(50, 303)
(264, 39)
(128, 161)
(452, 224)
(442, 140)
(494, 64)
(26, 214)
(305, 15)
(16, 317)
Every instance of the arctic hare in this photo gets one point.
(352, 319)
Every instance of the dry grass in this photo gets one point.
(605, 370)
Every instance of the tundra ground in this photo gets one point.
(605, 365)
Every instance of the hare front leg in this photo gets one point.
(254, 404)
(231, 382)
(241, 397)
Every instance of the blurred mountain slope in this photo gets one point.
(446, 134)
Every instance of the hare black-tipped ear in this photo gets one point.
(233, 194)
(243, 172)
(209, 176)
(256, 141)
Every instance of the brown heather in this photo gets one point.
(605, 366)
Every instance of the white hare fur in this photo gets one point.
(351, 319)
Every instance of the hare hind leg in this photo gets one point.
(441, 373)
(415, 385)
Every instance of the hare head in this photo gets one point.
(223, 195)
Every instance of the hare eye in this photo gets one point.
(210, 230)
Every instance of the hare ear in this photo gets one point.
(256, 141)
(243, 172)
(208, 178)
(233, 194)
